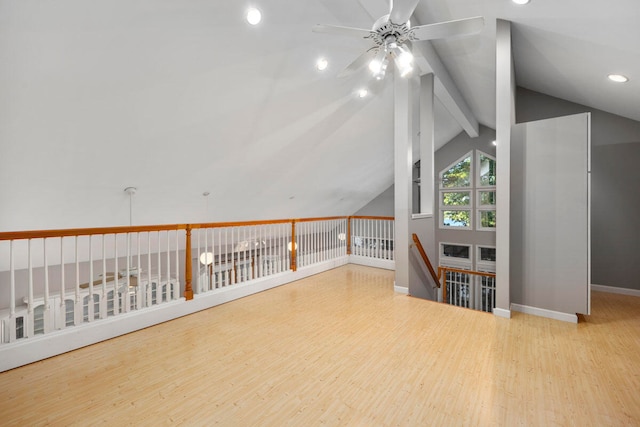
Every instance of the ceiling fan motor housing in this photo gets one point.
(385, 32)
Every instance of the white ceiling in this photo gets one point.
(178, 98)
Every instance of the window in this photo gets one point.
(486, 261)
(96, 307)
(486, 170)
(38, 320)
(19, 327)
(486, 184)
(69, 312)
(110, 303)
(455, 255)
(456, 194)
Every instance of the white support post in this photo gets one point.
(403, 168)
(427, 136)
(505, 118)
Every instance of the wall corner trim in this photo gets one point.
(501, 312)
(401, 290)
(542, 312)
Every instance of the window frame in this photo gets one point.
(467, 189)
(479, 188)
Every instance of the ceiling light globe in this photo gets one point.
(322, 64)
(618, 78)
(254, 16)
(375, 66)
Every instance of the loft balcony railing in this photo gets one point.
(55, 280)
(469, 289)
(462, 288)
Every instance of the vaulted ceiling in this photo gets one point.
(179, 98)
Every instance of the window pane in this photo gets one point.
(459, 175)
(487, 198)
(487, 254)
(455, 251)
(487, 219)
(487, 171)
(456, 218)
(458, 198)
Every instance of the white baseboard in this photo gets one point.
(501, 312)
(23, 352)
(565, 317)
(400, 289)
(614, 290)
(372, 262)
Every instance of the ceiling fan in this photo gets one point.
(391, 35)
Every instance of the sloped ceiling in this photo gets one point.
(179, 98)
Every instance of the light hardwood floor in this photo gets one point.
(341, 348)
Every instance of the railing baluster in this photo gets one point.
(46, 325)
(147, 302)
(62, 318)
(12, 286)
(158, 260)
(116, 277)
(187, 270)
(90, 308)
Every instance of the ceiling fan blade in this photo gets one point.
(358, 63)
(375, 8)
(342, 31)
(459, 27)
(401, 10)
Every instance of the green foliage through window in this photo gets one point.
(456, 218)
(487, 198)
(487, 219)
(456, 198)
(459, 175)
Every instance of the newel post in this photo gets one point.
(294, 267)
(349, 235)
(188, 291)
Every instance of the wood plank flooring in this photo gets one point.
(341, 348)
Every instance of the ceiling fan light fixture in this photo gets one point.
(404, 61)
(254, 16)
(618, 78)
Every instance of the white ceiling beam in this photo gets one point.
(445, 88)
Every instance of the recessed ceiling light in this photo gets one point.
(520, 1)
(254, 16)
(362, 93)
(322, 64)
(618, 78)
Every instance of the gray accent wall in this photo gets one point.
(382, 205)
(615, 206)
(615, 185)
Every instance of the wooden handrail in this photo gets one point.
(387, 218)
(459, 270)
(42, 234)
(425, 258)
(39, 234)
